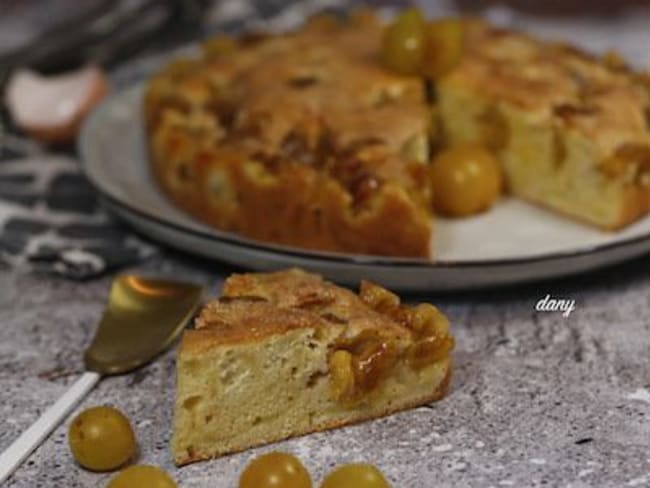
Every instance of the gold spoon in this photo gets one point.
(142, 318)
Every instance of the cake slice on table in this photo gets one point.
(285, 354)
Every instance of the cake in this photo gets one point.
(301, 139)
(286, 353)
(571, 130)
(307, 139)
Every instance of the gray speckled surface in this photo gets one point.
(537, 399)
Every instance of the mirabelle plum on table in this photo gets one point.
(142, 476)
(101, 439)
(275, 470)
(355, 476)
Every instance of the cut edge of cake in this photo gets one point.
(572, 131)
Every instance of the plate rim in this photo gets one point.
(83, 143)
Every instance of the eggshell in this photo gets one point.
(51, 108)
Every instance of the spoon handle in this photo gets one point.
(29, 440)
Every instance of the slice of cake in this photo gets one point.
(572, 131)
(285, 354)
(302, 138)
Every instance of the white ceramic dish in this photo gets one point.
(513, 243)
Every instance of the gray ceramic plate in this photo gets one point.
(512, 243)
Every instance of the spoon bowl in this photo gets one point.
(142, 318)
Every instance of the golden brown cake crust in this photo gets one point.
(256, 305)
(556, 81)
(301, 139)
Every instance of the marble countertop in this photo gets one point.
(537, 399)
